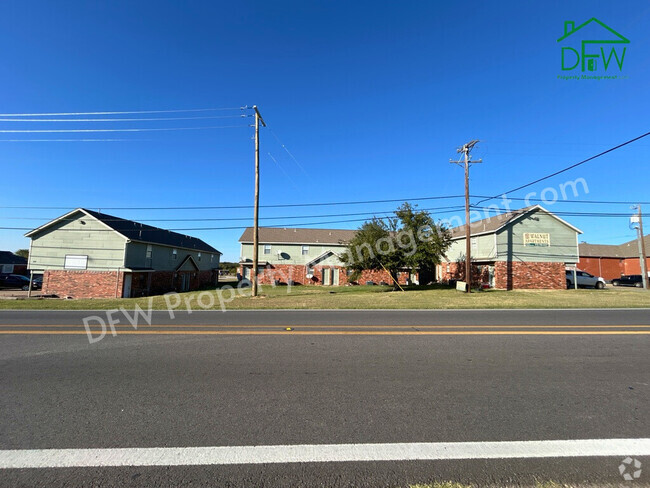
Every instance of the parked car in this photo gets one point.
(629, 280)
(17, 281)
(584, 280)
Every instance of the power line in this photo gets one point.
(566, 169)
(125, 112)
(303, 224)
(317, 204)
(232, 207)
(149, 129)
(74, 140)
(138, 119)
(217, 219)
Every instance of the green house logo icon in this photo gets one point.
(607, 51)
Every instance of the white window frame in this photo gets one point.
(198, 256)
(304, 250)
(75, 261)
(267, 248)
(174, 253)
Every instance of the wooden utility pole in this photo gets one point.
(466, 149)
(643, 255)
(258, 119)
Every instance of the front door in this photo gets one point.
(326, 276)
(126, 292)
(185, 282)
(335, 276)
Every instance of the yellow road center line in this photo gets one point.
(308, 326)
(333, 332)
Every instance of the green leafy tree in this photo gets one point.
(427, 242)
(410, 240)
(23, 253)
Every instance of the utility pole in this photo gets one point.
(642, 254)
(258, 119)
(466, 149)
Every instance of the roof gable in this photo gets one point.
(188, 264)
(494, 224)
(135, 231)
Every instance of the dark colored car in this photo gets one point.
(630, 280)
(18, 281)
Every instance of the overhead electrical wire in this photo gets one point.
(231, 207)
(138, 119)
(124, 112)
(565, 169)
(148, 129)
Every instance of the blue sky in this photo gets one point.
(370, 98)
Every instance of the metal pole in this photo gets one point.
(258, 119)
(31, 280)
(468, 246)
(644, 272)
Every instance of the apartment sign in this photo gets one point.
(537, 239)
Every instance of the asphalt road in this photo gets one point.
(338, 377)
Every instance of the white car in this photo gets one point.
(584, 280)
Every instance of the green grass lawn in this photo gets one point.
(359, 297)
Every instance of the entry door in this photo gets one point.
(185, 282)
(326, 276)
(335, 277)
(127, 286)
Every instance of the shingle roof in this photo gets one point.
(136, 231)
(288, 235)
(7, 257)
(489, 224)
(628, 249)
(492, 224)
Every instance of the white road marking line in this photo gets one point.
(316, 453)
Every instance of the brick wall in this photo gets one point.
(298, 274)
(632, 266)
(529, 275)
(608, 268)
(480, 273)
(83, 284)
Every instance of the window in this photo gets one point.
(149, 251)
(198, 256)
(310, 271)
(75, 262)
(267, 248)
(305, 250)
(174, 254)
(211, 258)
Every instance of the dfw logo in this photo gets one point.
(592, 45)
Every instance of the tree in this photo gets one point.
(23, 253)
(410, 240)
(429, 241)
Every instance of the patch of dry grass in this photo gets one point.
(365, 297)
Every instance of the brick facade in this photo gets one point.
(298, 275)
(480, 273)
(83, 284)
(110, 284)
(509, 275)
